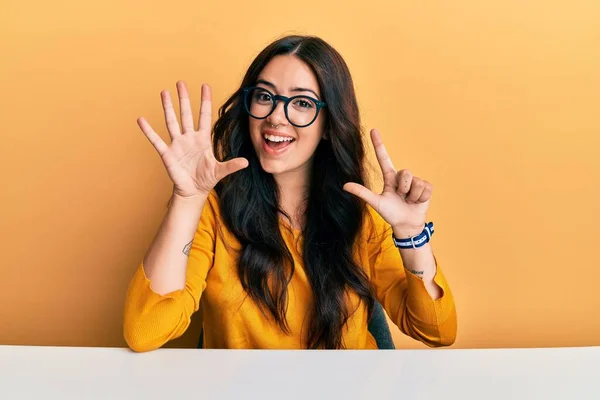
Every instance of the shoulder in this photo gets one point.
(213, 200)
(210, 214)
(375, 228)
(212, 221)
(375, 232)
(211, 206)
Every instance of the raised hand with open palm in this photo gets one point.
(189, 160)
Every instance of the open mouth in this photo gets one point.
(277, 146)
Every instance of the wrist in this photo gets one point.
(405, 232)
(191, 200)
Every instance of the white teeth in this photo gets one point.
(274, 138)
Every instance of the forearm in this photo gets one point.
(433, 320)
(420, 262)
(166, 260)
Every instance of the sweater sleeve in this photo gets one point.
(150, 319)
(404, 296)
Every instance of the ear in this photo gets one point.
(325, 135)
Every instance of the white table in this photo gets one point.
(176, 374)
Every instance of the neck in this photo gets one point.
(293, 187)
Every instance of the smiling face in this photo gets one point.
(288, 76)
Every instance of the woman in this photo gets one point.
(270, 229)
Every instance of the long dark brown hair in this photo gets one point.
(249, 200)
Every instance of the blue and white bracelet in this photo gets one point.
(417, 241)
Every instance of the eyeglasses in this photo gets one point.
(260, 103)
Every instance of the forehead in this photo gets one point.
(287, 72)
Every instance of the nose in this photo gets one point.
(277, 117)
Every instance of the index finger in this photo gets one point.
(204, 123)
(385, 162)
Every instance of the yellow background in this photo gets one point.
(495, 102)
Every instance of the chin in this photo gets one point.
(271, 167)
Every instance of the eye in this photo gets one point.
(262, 97)
(304, 103)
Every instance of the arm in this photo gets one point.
(166, 260)
(165, 290)
(420, 262)
(420, 304)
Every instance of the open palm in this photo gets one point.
(189, 160)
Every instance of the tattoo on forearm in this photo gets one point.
(186, 249)
(418, 273)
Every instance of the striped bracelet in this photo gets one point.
(415, 241)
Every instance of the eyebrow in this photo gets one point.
(296, 89)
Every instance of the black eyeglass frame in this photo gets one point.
(276, 98)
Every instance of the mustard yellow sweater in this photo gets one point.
(232, 320)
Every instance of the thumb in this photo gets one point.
(229, 167)
(362, 192)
